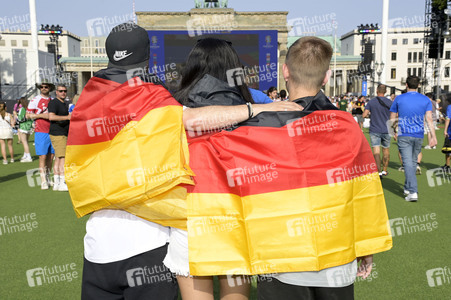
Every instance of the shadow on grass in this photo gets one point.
(392, 186)
(11, 176)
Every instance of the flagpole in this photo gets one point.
(384, 41)
(34, 61)
(90, 44)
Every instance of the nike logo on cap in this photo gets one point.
(120, 55)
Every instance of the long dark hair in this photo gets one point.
(24, 102)
(3, 109)
(209, 56)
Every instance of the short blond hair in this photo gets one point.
(308, 61)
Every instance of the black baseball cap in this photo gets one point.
(128, 47)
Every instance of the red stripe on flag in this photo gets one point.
(315, 150)
(105, 107)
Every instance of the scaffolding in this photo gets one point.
(430, 79)
(429, 64)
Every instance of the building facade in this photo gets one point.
(405, 56)
(15, 55)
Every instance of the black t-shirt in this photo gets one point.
(359, 109)
(60, 109)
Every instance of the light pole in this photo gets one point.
(444, 34)
(54, 32)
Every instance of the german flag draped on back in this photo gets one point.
(284, 192)
(127, 150)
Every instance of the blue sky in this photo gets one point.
(348, 14)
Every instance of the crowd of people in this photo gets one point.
(117, 241)
(361, 108)
(48, 119)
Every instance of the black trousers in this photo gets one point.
(277, 290)
(139, 277)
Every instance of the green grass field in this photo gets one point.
(54, 237)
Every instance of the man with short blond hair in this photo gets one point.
(311, 56)
(306, 70)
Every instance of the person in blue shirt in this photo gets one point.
(409, 111)
(259, 97)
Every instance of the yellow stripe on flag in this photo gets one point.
(141, 165)
(311, 228)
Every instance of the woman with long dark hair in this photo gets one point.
(205, 83)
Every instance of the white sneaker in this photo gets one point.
(412, 197)
(56, 182)
(12, 160)
(26, 159)
(406, 192)
(49, 179)
(63, 187)
(5, 162)
(44, 185)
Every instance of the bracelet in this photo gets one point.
(250, 110)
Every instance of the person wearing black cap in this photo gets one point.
(119, 246)
(122, 251)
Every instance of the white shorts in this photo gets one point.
(177, 257)
(25, 131)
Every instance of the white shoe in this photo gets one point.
(49, 180)
(5, 162)
(12, 160)
(63, 187)
(26, 159)
(412, 197)
(406, 192)
(44, 185)
(56, 182)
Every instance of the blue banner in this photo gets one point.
(364, 88)
(257, 50)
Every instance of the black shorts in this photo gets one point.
(277, 290)
(139, 277)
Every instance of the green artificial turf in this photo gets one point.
(57, 236)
